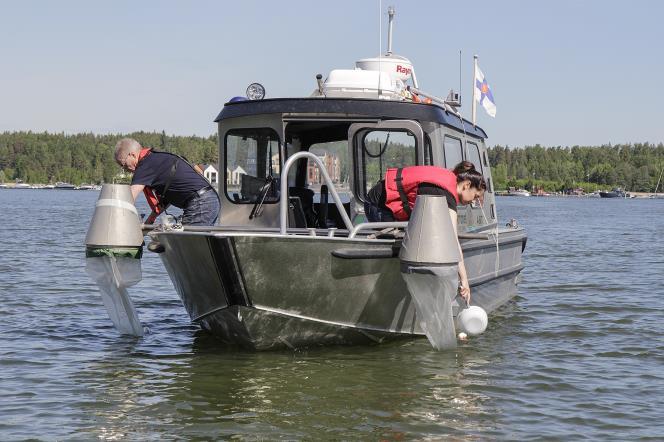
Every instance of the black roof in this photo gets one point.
(355, 107)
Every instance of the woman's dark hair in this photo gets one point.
(465, 170)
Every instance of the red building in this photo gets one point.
(332, 166)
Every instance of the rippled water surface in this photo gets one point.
(580, 353)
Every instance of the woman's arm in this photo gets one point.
(463, 276)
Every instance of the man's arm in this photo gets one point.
(136, 190)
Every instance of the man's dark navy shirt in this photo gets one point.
(155, 169)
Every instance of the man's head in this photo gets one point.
(127, 151)
(470, 183)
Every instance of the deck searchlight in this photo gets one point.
(429, 265)
(113, 248)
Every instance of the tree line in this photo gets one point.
(85, 158)
(88, 158)
(634, 167)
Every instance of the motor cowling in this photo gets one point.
(113, 249)
(429, 265)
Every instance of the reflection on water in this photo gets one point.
(213, 391)
(578, 354)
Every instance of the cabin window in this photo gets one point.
(474, 156)
(252, 156)
(384, 149)
(453, 151)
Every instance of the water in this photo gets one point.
(578, 354)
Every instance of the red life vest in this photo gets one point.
(411, 177)
(150, 194)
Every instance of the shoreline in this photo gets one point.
(633, 195)
(26, 186)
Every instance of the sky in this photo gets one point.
(562, 73)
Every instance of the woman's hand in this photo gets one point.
(464, 287)
(464, 291)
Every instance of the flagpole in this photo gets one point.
(473, 89)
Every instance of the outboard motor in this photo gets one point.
(429, 264)
(114, 247)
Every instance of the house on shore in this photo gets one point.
(210, 173)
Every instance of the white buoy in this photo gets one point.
(473, 320)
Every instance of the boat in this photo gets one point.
(615, 193)
(64, 186)
(86, 187)
(293, 261)
(22, 186)
(519, 192)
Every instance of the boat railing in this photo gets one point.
(283, 203)
(377, 225)
(402, 225)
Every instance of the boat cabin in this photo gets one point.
(357, 140)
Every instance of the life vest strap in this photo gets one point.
(402, 192)
(174, 168)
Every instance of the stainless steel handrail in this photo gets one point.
(147, 228)
(404, 224)
(378, 225)
(283, 203)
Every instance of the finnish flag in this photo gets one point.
(483, 93)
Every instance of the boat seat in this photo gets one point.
(306, 201)
(334, 218)
(296, 217)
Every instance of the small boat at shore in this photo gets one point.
(60, 185)
(615, 193)
(87, 187)
(518, 192)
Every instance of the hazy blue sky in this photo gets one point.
(562, 72)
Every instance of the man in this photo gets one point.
(166, 178)
(394, 197)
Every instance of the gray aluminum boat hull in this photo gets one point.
(268, 291)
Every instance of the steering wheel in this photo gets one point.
(257, 210)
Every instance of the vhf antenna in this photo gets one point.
(380, 41)
(454, 98)
(459, 75)
(390, 13)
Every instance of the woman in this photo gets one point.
(393, 198)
